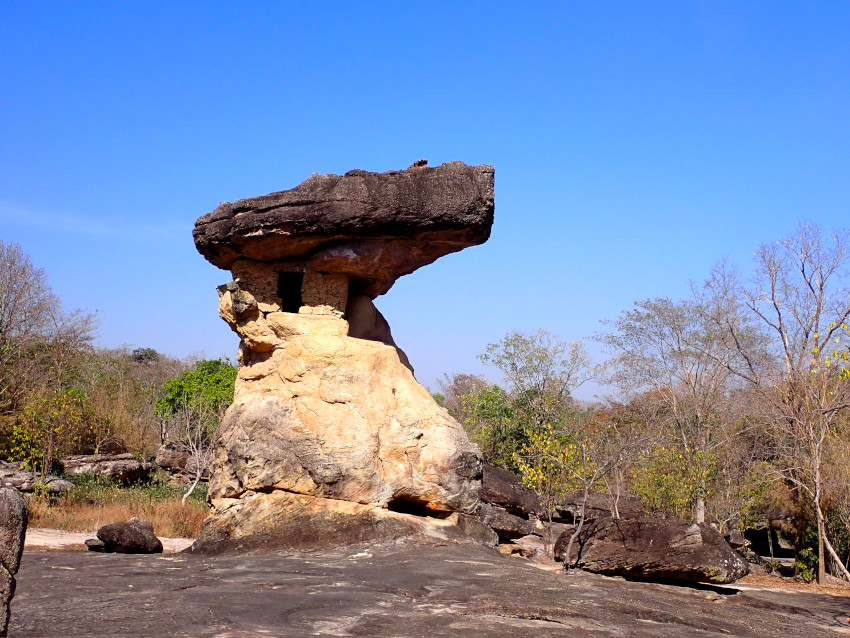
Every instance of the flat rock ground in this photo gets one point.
(402, 589)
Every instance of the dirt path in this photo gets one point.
(44, 539)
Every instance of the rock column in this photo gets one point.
(330, 436)
(13, 527)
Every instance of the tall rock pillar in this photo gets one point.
(330, 438)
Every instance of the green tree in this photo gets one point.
(542, 372)
(211, 383)
(191, 409)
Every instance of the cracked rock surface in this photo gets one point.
(409, 589)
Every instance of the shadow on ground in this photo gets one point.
(388, 590)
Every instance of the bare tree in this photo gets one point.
(800, 299)
(671, 350)
(193, 428)
(34, 329)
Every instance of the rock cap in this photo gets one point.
(372, 226)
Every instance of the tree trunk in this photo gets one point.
(699, 511)
(192, 489)
(821, 524)
(577, 531)
(837, 558)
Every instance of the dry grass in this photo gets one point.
(96, 502)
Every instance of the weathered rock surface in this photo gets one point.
(505, 524)
(13, 528)
(502, 488)
(122, 467)
(180, 464)
(12, 475)
(669, 549)
(133, 537)
(279, 520)
(411, 589)
(373, 226)
(326, 405)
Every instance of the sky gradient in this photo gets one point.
(635, 145)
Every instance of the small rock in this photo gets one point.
(95, 545)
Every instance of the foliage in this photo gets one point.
(668, 480)
(211, 383)
(542, 372)
(51, 426)
(806, 564)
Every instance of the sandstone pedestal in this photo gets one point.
(330, 435)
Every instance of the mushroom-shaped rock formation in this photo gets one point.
(330, 439)
(372, 227)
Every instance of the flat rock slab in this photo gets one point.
(390, 590)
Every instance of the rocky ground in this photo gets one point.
(406, 589)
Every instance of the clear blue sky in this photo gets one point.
(635, 144)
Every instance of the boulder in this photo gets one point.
(326, 405)
(13, 528)
(505, 524)
(532, 546)
(14, 476)
(178, 461)
(133, 537)
(373, 226)
(171, 458)
(503, 488)
(735, 538)
(122, 467)
(665, 549)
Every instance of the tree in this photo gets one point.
(484, 410)
(122, 388)
(800, 299)
(673, 350)
(578, 453)
(41, 345)
(542, 372)
(191, 409)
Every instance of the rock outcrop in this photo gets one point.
(13, 475)
(665, 549)
(13, 528)
(122, 467)
(502, 488)
(328, 422)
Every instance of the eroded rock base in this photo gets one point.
(264, 522)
